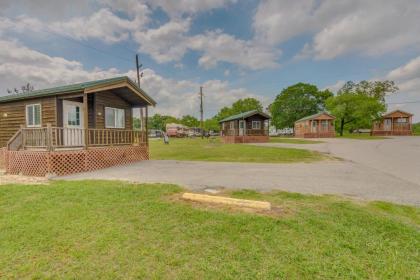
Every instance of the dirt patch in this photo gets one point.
(22, 180)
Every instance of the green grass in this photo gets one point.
(115, 230)
(289, 140)
(212, 150)
(361, 136)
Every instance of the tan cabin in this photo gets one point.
(319, 125)
(247, 127)
(73, 128)
(393, 123)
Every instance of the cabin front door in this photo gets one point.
(241, 127)
(387, 124)
(314, 126)
(73, 134)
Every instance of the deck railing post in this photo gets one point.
(49, 137)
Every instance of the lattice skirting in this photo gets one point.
(37, 163)
(316, 135)
(245, 139)
(391, 133)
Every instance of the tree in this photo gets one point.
(23, 89)
(190, 121)
(211, 124)
(356, 105)
(297, 101)
(240, 106)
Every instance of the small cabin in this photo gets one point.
(393, 123)
(247, 127)
(319, 125)
(73, 128)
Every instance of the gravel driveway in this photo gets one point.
(386, 170)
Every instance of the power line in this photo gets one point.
(407, 102)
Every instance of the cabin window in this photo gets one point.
(324, 124)
(33, 115)
(256, 125)
(401, 120)
(114, 118)
(73, 116)
(232, 125)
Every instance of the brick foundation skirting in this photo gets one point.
(245, 139)
(40, 163)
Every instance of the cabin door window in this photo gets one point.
(73, 134)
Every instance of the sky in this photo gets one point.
(233, 48)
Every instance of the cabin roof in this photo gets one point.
(78, 87)
(397, 111)
(314, 116)
(245, 115)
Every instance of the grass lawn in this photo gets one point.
(290, 140)
(361, 136)
(115, 230)
(214, 150)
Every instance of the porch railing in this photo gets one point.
(246, 132)
(51, 138)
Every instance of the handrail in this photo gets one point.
(51, 138)
(15, 142)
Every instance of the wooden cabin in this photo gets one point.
(73, 128)
(248, 127)
(319, 125)
(393, 123)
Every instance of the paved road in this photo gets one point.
(371, 170)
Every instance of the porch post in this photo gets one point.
(85, 119)
(145, 125)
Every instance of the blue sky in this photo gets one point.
(235, 49)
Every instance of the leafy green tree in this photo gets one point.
(357, 105)
(211, 124)
(240, 106)
(297, 101)
(416, 128)
(159, 122)
(190, 121)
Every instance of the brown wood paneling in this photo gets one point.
(110, 99)
(12, 115)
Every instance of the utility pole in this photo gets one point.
(138, 66)
(201, 112)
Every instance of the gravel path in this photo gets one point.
(375, 170)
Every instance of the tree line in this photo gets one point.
(355, 106)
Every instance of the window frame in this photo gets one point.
(115, 125)
(256, 127)
(33, 115)
(232, 125)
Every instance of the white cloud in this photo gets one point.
(165, 43)
(179, 7)
(20, 64)
(218, 46)
(335, 87)
(372, 27)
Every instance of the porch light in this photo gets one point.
(99, 114)
(5, 115)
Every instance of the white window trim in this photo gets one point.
(256, 126)
(40, 115)
(115, 119)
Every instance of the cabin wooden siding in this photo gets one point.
(303, 129)
(109, 99)
(13, 115)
